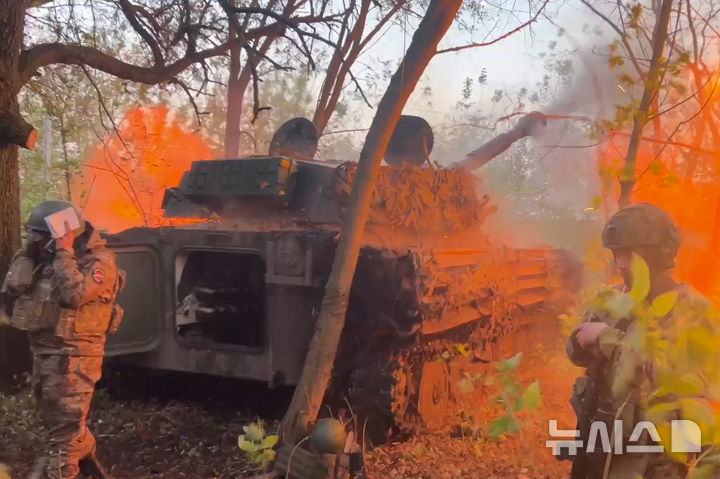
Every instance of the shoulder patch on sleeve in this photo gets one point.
(98, 275)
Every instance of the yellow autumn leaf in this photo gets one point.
(658, 411)
(663, 304)
(665, 431)
(701, 413)
(707, 470)
(640, 278)
(670, 382)
(701, 343)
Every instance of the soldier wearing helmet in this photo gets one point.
(599, 344)
(63, 293)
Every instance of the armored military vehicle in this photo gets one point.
(234, 289)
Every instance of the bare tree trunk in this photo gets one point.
(12, 16)
(239, 79)
(234, 97)
(309, 392)
(652, 87)
(334, 78)
(13, 346)
(350, 45)
(233, 116)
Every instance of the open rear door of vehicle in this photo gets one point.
(142, 300)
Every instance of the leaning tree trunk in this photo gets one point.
(652, 88)
(318, 366)
(13, 346)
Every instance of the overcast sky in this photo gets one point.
(511, 63)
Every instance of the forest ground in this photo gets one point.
(181, 428)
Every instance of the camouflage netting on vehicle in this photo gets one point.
(426, 199)
(457, 287)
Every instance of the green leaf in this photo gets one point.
(247, 446)
(531, 398)
(640, 278)
(260, 457)
(502, 425)
(512, 388)
(510, 364)
(636, 338)
(270, 441)
(655, 167)
(254, 432)
(620, 305)
(663, 304)
(705, 471)
(268, 456)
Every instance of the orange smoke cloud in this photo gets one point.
(124, 180)
(678, 168)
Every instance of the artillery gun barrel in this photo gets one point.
(531, 124)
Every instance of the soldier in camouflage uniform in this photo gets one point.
(599, 344)
(64, 293)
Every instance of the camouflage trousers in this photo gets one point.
(64, 387)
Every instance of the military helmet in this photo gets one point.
(411, 141)
(36, 221)
(643, 224)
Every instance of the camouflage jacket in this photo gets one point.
(629, 389)
(68, 306)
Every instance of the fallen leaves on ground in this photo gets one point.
(136, 439)
(518, 456)
(148, 438)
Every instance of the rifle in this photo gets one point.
(585, 404)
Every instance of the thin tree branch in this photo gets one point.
(129, 10)
(660, 33)
(260, 53)
(398, 5)
(257, 109)
(623, 37)
(50, 53)
(185, 88)
(359, 89)
(117, 132)
(684, 122)
(661, 141)
(660, 113)
(501, 37)
(355, 130)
